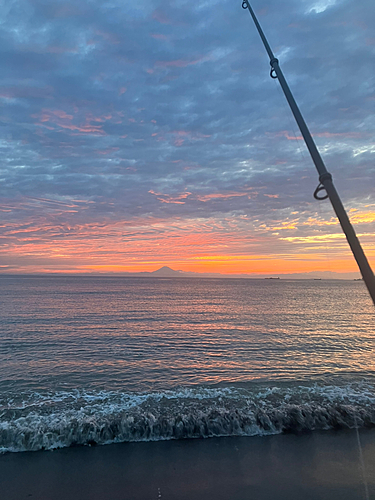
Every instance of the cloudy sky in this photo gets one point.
(141, 134)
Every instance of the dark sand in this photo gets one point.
(324, 466)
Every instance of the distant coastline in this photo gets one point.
(167, 272)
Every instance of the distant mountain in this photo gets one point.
(167, 272)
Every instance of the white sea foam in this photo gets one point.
(36, 421)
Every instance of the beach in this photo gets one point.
(312, 466)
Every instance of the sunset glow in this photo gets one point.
(232, 245)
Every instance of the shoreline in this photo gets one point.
(322, 465)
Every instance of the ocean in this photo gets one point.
(91, 360)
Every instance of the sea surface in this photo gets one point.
(98, 360)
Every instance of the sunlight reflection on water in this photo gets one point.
(157, 333)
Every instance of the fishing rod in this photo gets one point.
(325, 178)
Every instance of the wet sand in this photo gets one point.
(324, 466)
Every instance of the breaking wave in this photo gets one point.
(36, 421)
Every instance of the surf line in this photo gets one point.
(325, 178)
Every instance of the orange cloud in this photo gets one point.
(363, 217)
(52, 236)
(64, 120)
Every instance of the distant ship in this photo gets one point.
(272, 278)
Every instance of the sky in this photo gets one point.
(135, 135)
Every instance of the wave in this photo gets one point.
(36, 421)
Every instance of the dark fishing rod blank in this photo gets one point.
(325, 178)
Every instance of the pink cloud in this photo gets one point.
(45, 126)
(98, 119)
(192, 136)
(63, 120)
(86, 129)
(62, 114)
(180, 132)
(166, 198)
(106, 151)
(161, 17)
(189, 133)
(49, 115)
(213, 196)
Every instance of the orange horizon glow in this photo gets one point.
(223, 264)
(231, 245)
